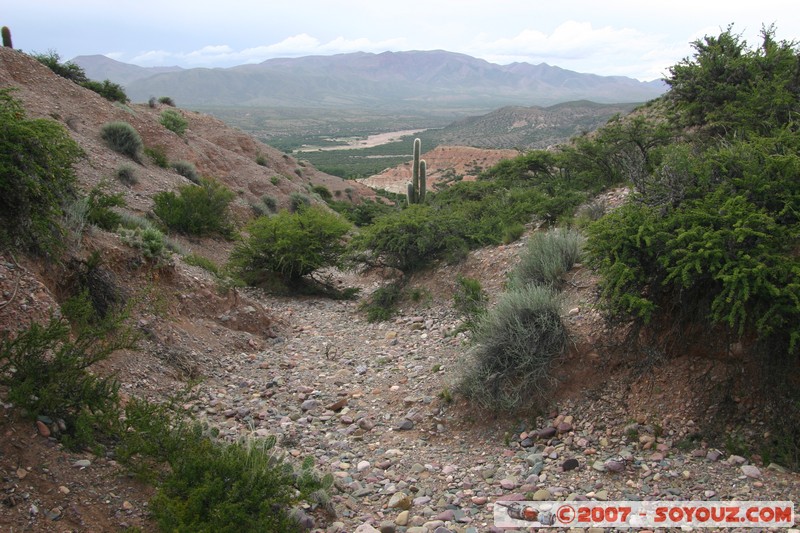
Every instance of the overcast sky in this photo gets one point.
(640, 39)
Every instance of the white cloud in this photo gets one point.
(579, 46)
(297, 45)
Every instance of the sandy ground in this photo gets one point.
(357, 144)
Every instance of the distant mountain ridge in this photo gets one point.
(385, 81)
(100, 67)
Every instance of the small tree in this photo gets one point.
(70, 70)
(196, 209)
(36, 177)
(290, 246)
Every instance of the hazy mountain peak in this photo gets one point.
(419, 79)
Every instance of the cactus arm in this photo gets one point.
(422, 180)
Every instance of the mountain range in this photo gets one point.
(388, 81)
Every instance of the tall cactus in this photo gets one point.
(417, 187)
(6, 37)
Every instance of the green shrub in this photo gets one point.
(127, 175)
(149, 241)
(407, 239)
(46, 371)
(99, 205)
(730, 90)
(470, 300)
(297, 201)
(290, 246)
(158, 155)
(275, 180)
(36, 178)
(261, 160)
(173, 121)
(152, 102)
(196, 209)
(69, 70)
(187, 170)
(238, 486)
(108, 90)
(166, 100)
(513, 233)
(549, 256)
(382, 303)
(209, 485)
(122, 138)
(516, 344)
(362, 214)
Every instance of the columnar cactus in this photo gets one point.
(6, 37)
(417, 187)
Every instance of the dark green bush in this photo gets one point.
(407, 239)
(516, 343)
(235, 487)
(706, 250)
(108, 90)
(513, 233)
(173, 121)
(470, 300)
(123, 138)
(196, 209)
(46, 371)
(36, 178)
(549, 255)
(187, 170)
(166, 100)
(71, 71)
(99, 210)
(382, 303)
(261, 160)
(211, 485)
(729, 89)
(290, 246)
(362, 214)
(158, 155)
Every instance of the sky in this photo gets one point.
(640, 39)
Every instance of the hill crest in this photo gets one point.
(388, 80)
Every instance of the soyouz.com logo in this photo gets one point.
(644, 514)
